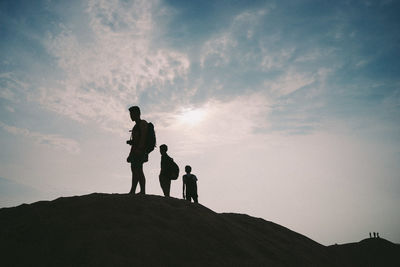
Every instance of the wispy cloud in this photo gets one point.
(216, 123)
(12, 88)
(51, 140)
(230, 43)
(111, 68)
(289, 83)
(218, 50)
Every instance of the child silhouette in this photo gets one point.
(190, 184)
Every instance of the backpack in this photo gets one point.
(150, 138)
(174, 170)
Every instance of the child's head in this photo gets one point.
(188, 169)
(163, 149)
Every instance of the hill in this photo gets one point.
(124, 230)
(368, 252)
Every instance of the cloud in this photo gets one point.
(217, 50)
(111, 67)
(222, 47)
(314, 54)
(9, 109)
(6, 93)
(51, 140)
(11, 87)
(114, 60)
(289, 83)
(215, 123)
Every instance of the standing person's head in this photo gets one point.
(163, 149)
(134, 111)
(188, 169)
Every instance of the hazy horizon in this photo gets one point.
(286, 110)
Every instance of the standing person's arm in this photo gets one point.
(129, 159)
(195, 183)
(183, 179)
(130, 142)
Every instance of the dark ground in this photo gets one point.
(124, 230)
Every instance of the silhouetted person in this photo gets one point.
(190, 183)
(377, 235)
(374, 235)
(370, 235)
(137, 155)
(166, 169)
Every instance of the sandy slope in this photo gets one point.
(123, 230)
(368, 252)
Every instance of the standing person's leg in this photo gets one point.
(167, 186)
(163, 185)
(195, 199)
(142, 179)
(135, 179)
(160, 178)
(137, 172)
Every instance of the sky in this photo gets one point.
(286, 110)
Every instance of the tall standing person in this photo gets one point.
(138, 155)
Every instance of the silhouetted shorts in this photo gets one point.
(138, 160)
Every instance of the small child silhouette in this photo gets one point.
(190, 184)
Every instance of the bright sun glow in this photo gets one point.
(191, 116)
